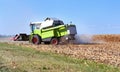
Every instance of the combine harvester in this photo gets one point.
(51, 31)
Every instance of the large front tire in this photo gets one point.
(36, 39)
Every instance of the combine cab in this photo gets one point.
(51, 31)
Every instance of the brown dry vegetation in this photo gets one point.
(107, 38)
(107, 52)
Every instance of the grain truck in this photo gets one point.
(51, 31)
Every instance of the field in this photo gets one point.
(101, 53)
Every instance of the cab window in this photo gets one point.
(38, 26)
(57, 23)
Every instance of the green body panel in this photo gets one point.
(47, 33)
(57, 31)
(37, 31)
(60, 31)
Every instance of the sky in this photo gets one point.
(89, 16)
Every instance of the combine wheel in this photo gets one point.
(36, 39)
(54, 41)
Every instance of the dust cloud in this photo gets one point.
(86, 39)
(83, 39)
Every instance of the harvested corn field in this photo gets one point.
(102, 48)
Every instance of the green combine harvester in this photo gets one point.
(51, 31)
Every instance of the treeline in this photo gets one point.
(1, 36)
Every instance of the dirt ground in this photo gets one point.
(103, 49)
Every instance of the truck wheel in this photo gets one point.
(36, 39)
(54, 41)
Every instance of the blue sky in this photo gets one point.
(90, 16)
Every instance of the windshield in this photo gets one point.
(32, 26)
